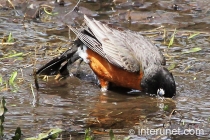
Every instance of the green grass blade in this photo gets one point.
(12, 78)
(172, 39)
(172, 66)
(111, 135)
(193, 35)
(51, 14)
(193, 50)
(52, 134)
(13, 55)
(1, 80)
(88, 134)
(10, 38)
(18, 134)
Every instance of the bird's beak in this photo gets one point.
(160, 92)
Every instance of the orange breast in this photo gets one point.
(107, 72)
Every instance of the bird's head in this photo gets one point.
(158, 80)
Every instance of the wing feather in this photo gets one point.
(126, 49)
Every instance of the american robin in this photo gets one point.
(124, 58)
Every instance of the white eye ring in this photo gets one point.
(160, 92)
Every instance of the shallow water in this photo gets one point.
(74, 104)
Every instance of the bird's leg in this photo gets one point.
(104, 84)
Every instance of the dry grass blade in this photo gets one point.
(73, 8)
(32, 90)
(11, 4)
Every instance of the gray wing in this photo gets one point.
(89, 41)
(146, 52)
(125, 49)
(113, 45)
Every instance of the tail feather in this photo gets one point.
(55, 66)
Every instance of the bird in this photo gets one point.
(122, 57)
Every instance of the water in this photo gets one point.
(73, 104)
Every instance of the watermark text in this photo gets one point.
(166, 131)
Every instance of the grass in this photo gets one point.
(193, 35)
(193, 50)
(51, 134)
(172, 39)
(3, 110)
(49, 13)
(11, 55)
(1, 80)
(10, 38)
(88, 135)
(12, 78)
(10, 84)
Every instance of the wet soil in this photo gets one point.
(74, 104)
